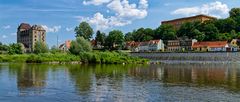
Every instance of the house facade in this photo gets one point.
(28, 35)
(156, 45)
(176, 23)
(233, 45)
(211, 46)
(152, 45)
(186, 44)
(65, 46)
(173, 45)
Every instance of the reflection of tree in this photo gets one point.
(81, 75)
(29, 77)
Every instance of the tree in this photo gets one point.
(84, 30)
(226, 25)
(165, 32)
(115, 39)
(40, 47)
(16, 48)
(211, 32)
(190, 30)
(234, 12)
(129, 36)
(55, 49)
(100, 38)
(80, 45)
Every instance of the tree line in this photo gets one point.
(212, 30)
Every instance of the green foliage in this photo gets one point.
(55, 49)
(129, 36)
(211, 32)
(16, 48)
(100, 38)
(40, 47)
(115, 39)
(165, 32)
(84, 30)
(80, 45)
(143, 34)
(234, 12)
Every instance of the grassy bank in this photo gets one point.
(86, 57)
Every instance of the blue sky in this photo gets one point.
(60, 17)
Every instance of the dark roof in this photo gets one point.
(24, 26)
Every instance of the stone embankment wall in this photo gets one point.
(213, 56)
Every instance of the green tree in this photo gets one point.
(211, 32)
(165, 32)
(115, 39)
(100, 37)
(189, 29)
(234, 12)
(40, 47)
(226, 25)
(16, 48)
(142, 34)
(84, 30)
(80, 45)
(129, 36)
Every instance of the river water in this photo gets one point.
(121, 83)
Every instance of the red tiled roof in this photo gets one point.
(154, 41)
(133, 44)
(210, 44)
(25, 26)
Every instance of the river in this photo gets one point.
(121, 83)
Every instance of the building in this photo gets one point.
(186, 44)
(143, 47)
(28, 35)
(210, 46)
(176, 23)
(152, 45)
(156, 45)
(173, 45)
(133, 46)
(233, 45)
(65, 46)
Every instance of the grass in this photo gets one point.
(84, 57)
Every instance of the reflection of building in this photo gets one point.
(176, 23)
(31, 77)
(28, 35)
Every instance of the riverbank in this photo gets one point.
(86, 57)
(210, 56)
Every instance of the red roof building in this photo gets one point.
(210, 46)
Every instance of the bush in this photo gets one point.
(80, 45)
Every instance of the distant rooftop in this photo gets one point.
(200, 15)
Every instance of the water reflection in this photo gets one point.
(119, 82)
(30, 77)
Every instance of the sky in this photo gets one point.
(60, 17)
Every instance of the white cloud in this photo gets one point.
(95, 2)
(6, 27)
(4, 36)
(217, 9)
(124, 9)
(124, 14)
(53, 29)
(69, 29)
